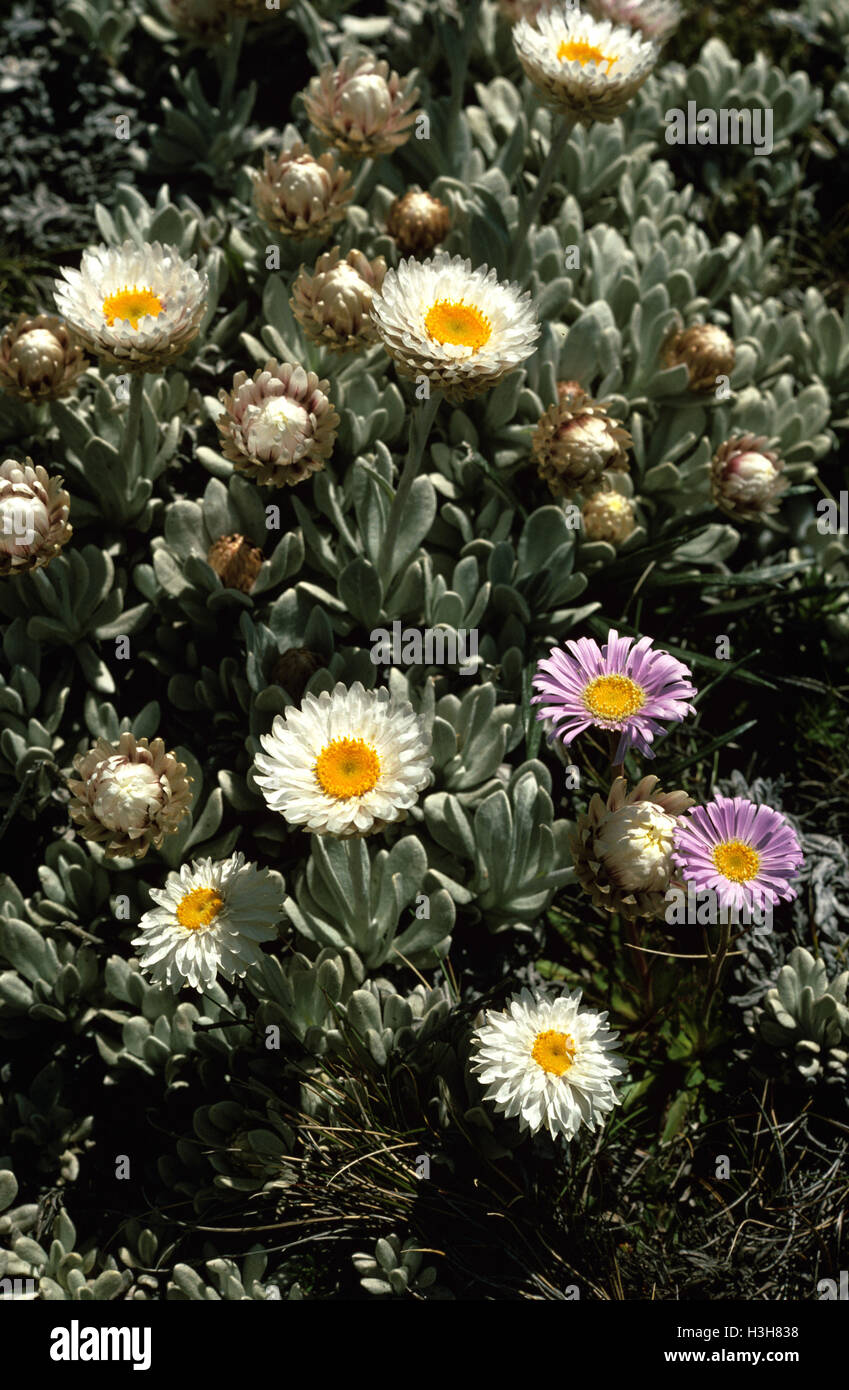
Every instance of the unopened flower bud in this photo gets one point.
(622, 848)
(333, 302)
(128, 795)
(299, 195)
(707, 352)
(608, 516)
(293, 669)
(40, 360)
(33, 517)
(418, 222)
(747, 478)
(360, 106)
(575, 442)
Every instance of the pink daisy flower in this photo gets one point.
(744, 852)
(622, 687)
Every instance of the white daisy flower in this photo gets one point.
(461, 328)
(588, 68)
(209, 921)
(549, 1062)
(345, 764)
(137, 307)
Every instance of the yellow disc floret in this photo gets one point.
(736, 861)
(462, 325)
(347, 767)
(611, 698)
(198, 908)
(553, 1051)
(578, 50)
(131, 305)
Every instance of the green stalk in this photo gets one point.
(131, 428)
(560, 133)
(420, 426)
(716, 969)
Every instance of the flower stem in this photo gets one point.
(559, 135)
(616, 769)
(131, 429)
(420, 426)
(716, 968)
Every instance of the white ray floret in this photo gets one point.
(134, 306)
(345, 763)
(589, 68)
(209, 920)
(461, 328)
(548, 1062)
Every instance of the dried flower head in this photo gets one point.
(575, 442)
(293, 668)
(747, 479)
(300, 194)
(40, 359)
(277, 426)
(622, 848)
(360, 106)
(333, 301)
(705, 349)
(33, 517)
(128, 795)
(236, 562)
(418, 222)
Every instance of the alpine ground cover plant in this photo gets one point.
(424, 591)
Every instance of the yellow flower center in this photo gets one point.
(736, 861)
(198, 908)
(131, 304)
(554, 1052)
(452, 321)
(579, 50)
(347, 767)
(613, 697)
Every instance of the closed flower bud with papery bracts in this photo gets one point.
(40, 360)
(706, 351)
(361, 107)
(33, 517)
(747, 479)
(128, 796)
(622, 848)
(279, 425)
(575, 442)
(332, 303)
(418, 222)
(299, 194)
